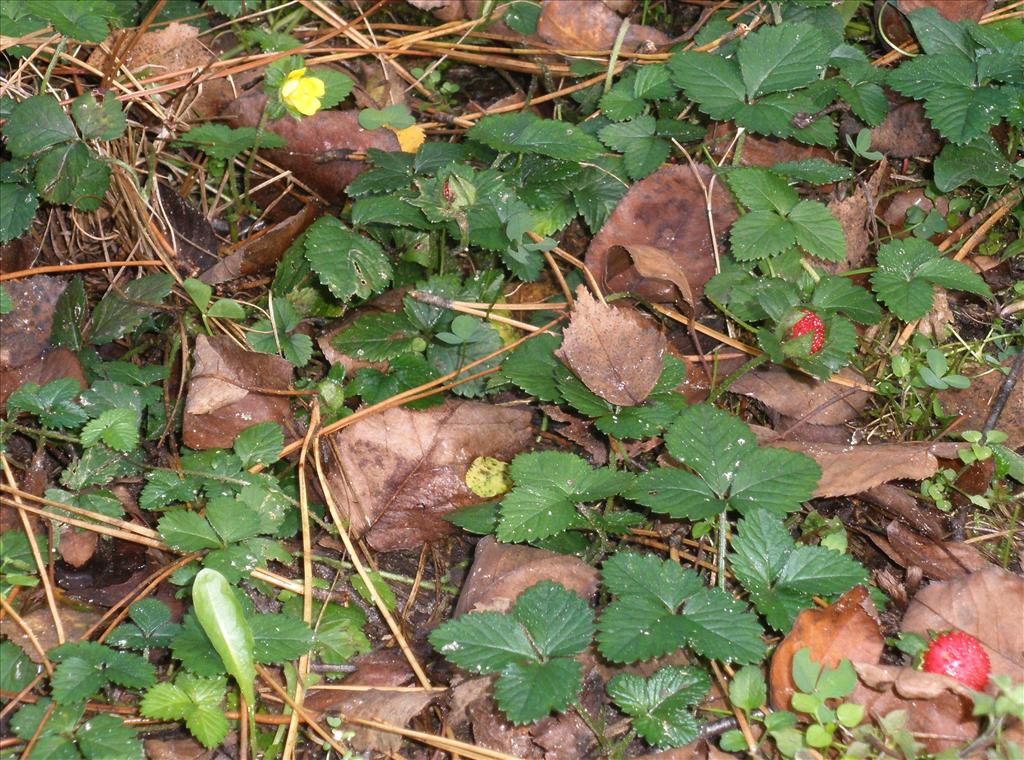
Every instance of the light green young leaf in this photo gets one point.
(662, 706)
(349, 264)
(219, 613)
(118, 428)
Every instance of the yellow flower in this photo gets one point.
(302, 93)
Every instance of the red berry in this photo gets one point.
(447, 190)
(810, 323)
(960, 656)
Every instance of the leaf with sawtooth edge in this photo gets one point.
(529, 691)
(677, 493)
(760, 235)
(558, 621)
(711, 442)
(661, 706)
(784, 57)
(837, 294)
(714, 82)
(773, 479)
(818, 231)
(483, 642)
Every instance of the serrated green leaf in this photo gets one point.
(17, 210)
(483, 642)
(81, 21)
(187, 531)
(962, 114)
(53, 404)
(151, 627)
(620, 136)
(677, 493)
(714, 82)
(783, 57)
(834, 293)
(260, 443)
(193, 647)
(781, 578)
(760, 235)
(36, 123)
(559, 622)
(97, 466)
(233, 520)
(762, 190)
(391, 171)
(279, 638)
(653, 83)
(814, 170)
(711, 442)
(223, 142)
(118, 428)
(773, 479)
(106, 737)
(525, 133)
(938, 35)
(98, 121)
(979, 160)
(71, 174)
(195, 700)
(818, 231)
(661, 706)
(644, 155)
(529, 691)
(69, 316)
(346, 262)
(377, 337)
(532, 367)
(120, 312)
(16, 669)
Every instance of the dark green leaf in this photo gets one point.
(528, 691)
(120, 312)
(37, 123)
(98, 121)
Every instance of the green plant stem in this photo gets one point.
(613, 59)
(40, 432)
(338, 564)
(251, 161)
(722, 387)
(53, 63)
(807, 267)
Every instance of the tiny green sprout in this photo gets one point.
(862, 147)
(223, 308)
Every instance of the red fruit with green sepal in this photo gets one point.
(960, 656)
(810, 323)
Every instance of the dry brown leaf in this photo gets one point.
(667, 211)
(225, 393)
(501, 572)
(954, 10)
(77, 547)
(492, 730)
(612, 351)
(846, 630)
(653, 263)
(191, 234)
(938, 708)
(905, 132)
(895, 214)
(177, 749)
(395, 474)
(848, 470)
(262, 250)
(698, 750)
(75, 622)
(590, 25)
(855, 214)
(313, 143)
(939, 560)
(758, 150)
(988, 604)
(18, 254)
(579, 431)
(973, 404)
(794, 395)
(899, 503)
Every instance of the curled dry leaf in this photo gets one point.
(590, 25)
(759, 150)
(226, 393)
(848, 470)
(317, 144)
(938, 707)
(501, 572)
(905, 132)
(76, 547)
(846, 630)
(938, 560)
(395, 474)
(262, 250)
(794, 394)
(655, 264)
(855, 214)
(191, 234)
(612, 351)
(901, 504)
(986, 604)
(581, 432)
(667, 211)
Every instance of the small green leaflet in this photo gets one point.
(36, 123)
(549, 485)
(729, 470)
(85, 667)
(979, 160)
(118, 428)
(525, 133)
(150, 627)
(661, 607)
(907, 270)
(532, 648)
(53, 404)
(195, 700)
(118, 313)
(223, 142)
(259, 444)
(643, 151)
(781, 577)
(349, 264)
(662, 706)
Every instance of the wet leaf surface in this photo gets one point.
(796, 395)
(590, 25)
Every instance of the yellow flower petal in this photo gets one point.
(411, 138)
(302, 93)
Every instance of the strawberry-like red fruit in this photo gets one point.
(810, 323)
(449, 195)
(960, 656)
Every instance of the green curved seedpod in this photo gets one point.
(221, 617)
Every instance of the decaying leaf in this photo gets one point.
(612, 351)
(855, 214)
(759, 150)
(226, 393)
(590, 25)
(581, 432)
(76, 547)
(501, 572)
(395, 474)
(262, 250)
(75, 621)
(847, 470)
(938, 560)
(318, 145)
(905, 132)
(190, 234)
(655, 264)
(847, 630)
(954, 10)
(667, 211)
(796, 395)
(986, 604)
(973, 404)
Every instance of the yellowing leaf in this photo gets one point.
(411, 138)
(487, 477)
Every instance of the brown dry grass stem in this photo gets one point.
(85, 266)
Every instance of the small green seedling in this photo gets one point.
(202, 296)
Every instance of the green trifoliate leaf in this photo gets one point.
(483, 642)
(661, 607)
(529, 691)
(780, 577)
(150, 627)
(548, 487)
(662, 706)
(53, 404)
(85, 667)
(195, 700)
(378, 337)
(677, 493)
(760, 235)
(773, 479)
(838, 294)
(279, 638)
(711, 442)
(908, 268)
(118, 428)
(784, 57)
(762, 190)
(560, 624)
